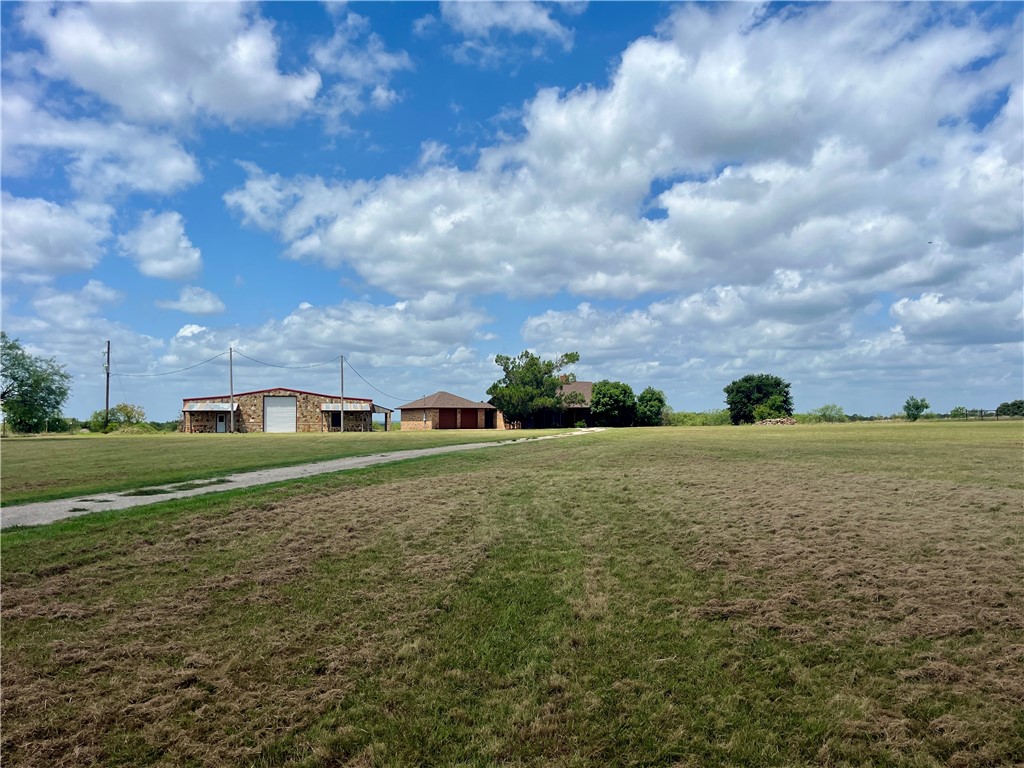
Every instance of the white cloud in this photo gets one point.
(75, 311)
(163, 62)
(103, 157)
(819, 141)
(160, 247)
(479, 21)
(363, 65)
(984, 201)
(42, 239)
(432, 153)
(191, 329)
(195, 301)
(396, 346)
(935, 319)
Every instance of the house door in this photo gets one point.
(222, 422)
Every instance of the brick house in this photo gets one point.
(567, 415)
(279, 410)
(577, 412)
(443, 410)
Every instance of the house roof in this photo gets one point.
(585, 388)
(445, 400)
(277, 389)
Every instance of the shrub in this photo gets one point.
(713, 418)
(915, 407)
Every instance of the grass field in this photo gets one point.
(833, 595)
(41, 468)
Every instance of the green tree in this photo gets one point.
(32, 389)
(613, 404)
(121, 415)
(743, 396)
(530, 384)
(914, 407)
(1015, 408)
(651, 408)
(960, 412)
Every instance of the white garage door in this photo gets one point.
(278, 414)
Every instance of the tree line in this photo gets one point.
(33, 391)
(530, 386)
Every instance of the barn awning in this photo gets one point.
(209, 407)
(349, 406)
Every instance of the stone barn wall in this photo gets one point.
(202, 422)
(249, 416)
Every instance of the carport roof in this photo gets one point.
(349, 406)
(445, 400)
(207, 407)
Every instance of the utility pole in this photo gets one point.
(231, 386)
(106, 370)
(343, 394)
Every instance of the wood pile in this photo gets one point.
(786, 422)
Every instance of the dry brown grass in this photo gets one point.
(670, 597)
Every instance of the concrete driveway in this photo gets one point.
(43, 512)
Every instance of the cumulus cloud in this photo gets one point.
(42, 239)
(160, 247)
(103, 157)
(484, 26)
(164, 63)
(74, 311)
(195, 301)
(362, 65)
(393, 345)
(937, 319)
(729, 146)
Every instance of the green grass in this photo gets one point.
(42, 468)
(844, 595)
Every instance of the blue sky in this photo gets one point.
(683, 194)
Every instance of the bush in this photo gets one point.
(133, 429)
(713, 418)
(915, 407)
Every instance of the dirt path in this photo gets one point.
(43, 512)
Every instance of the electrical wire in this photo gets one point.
(168, 373)
(270, 365)
(291, 367)
(357, 373)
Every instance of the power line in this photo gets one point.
(357, 373)
(290, 367)
(180, 370)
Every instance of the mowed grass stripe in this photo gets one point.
(637, 597)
